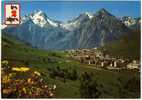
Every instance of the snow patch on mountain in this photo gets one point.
(52, 23)
(128, 21)
(90, 15)
(73, 24)
(39, 18)
(70, 25)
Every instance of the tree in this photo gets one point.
(53, 73)
(74, 75)
(133, 84)
(58, 68)
(26, 63)
(88, 87)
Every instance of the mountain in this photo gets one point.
(86, 31)
(95, 32)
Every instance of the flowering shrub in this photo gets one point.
(37, 73)
(21, 69)
(24, 82)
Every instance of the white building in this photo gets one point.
(133, 65)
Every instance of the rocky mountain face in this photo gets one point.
(85, 31)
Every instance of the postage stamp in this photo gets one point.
(12, 13)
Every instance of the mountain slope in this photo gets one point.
(128, 46)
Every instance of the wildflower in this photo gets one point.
(45, 86)
(25, 69)
(41, 80)
(54, 87)
(17, 80)
(5, 79)
(24, 89)
(21, 69)
(6, 91)
(15, 69)
(5, 62)
(37, 73)
(11, 74)
(50, 94)
(30, 81)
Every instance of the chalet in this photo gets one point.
(133, 65)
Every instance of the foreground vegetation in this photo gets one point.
(72, 79)
(23, 82)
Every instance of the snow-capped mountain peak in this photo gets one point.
(103, 12)
(39, 18)
(90, 15)
(73, 24)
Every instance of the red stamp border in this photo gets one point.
(5, 13)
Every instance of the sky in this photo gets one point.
(67, 10)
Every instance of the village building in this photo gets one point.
(133, 65)
(97, 58)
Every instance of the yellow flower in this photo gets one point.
(20, 69)
(5, 79)
(29, 81)
(24, 89)
(25, 69)
(37, 73)
(11, 74)
(5, 62)
(16, 69)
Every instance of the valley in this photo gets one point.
(58, 68)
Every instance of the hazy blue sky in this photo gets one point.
(66, 10)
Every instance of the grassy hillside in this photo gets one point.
(110, 84)
(128, 46)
